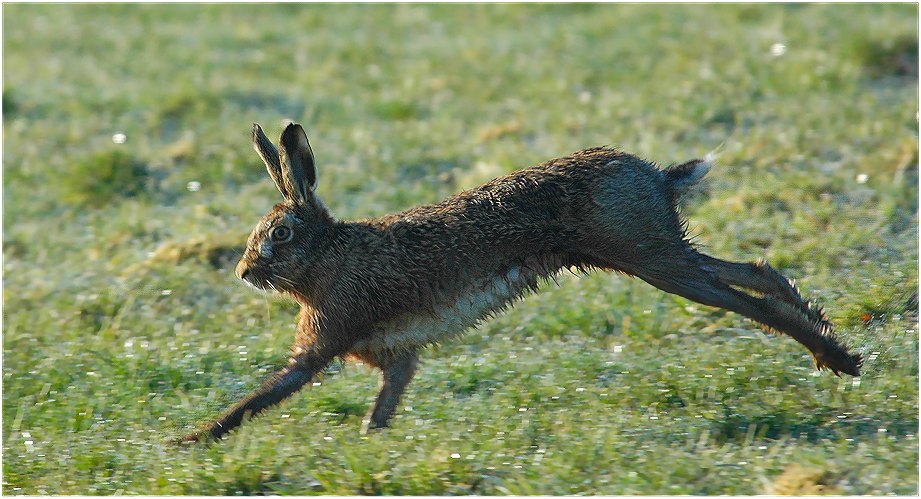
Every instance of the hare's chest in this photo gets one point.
(424, 327)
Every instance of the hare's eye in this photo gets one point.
(281, 234)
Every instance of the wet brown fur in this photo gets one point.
(381, 289)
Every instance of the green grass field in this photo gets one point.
(123, 325)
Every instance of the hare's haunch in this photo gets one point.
(379, 290)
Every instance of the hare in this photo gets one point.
(380, 290)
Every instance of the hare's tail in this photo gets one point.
(680, 178)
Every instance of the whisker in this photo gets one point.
(268, 309)
(286, 280)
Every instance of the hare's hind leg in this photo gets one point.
(715, 282)
(394, 378)
(759, 277)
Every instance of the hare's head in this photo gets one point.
(284, 245)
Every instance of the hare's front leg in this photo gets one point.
(284, 383)
(394, 378)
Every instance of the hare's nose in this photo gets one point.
(242, 271)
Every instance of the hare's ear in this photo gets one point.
(297, 162)
(266, 150)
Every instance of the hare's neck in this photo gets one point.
(317, 277)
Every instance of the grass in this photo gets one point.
(123, 324)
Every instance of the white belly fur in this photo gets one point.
(415, 330)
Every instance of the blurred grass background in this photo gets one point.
(130, 185)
